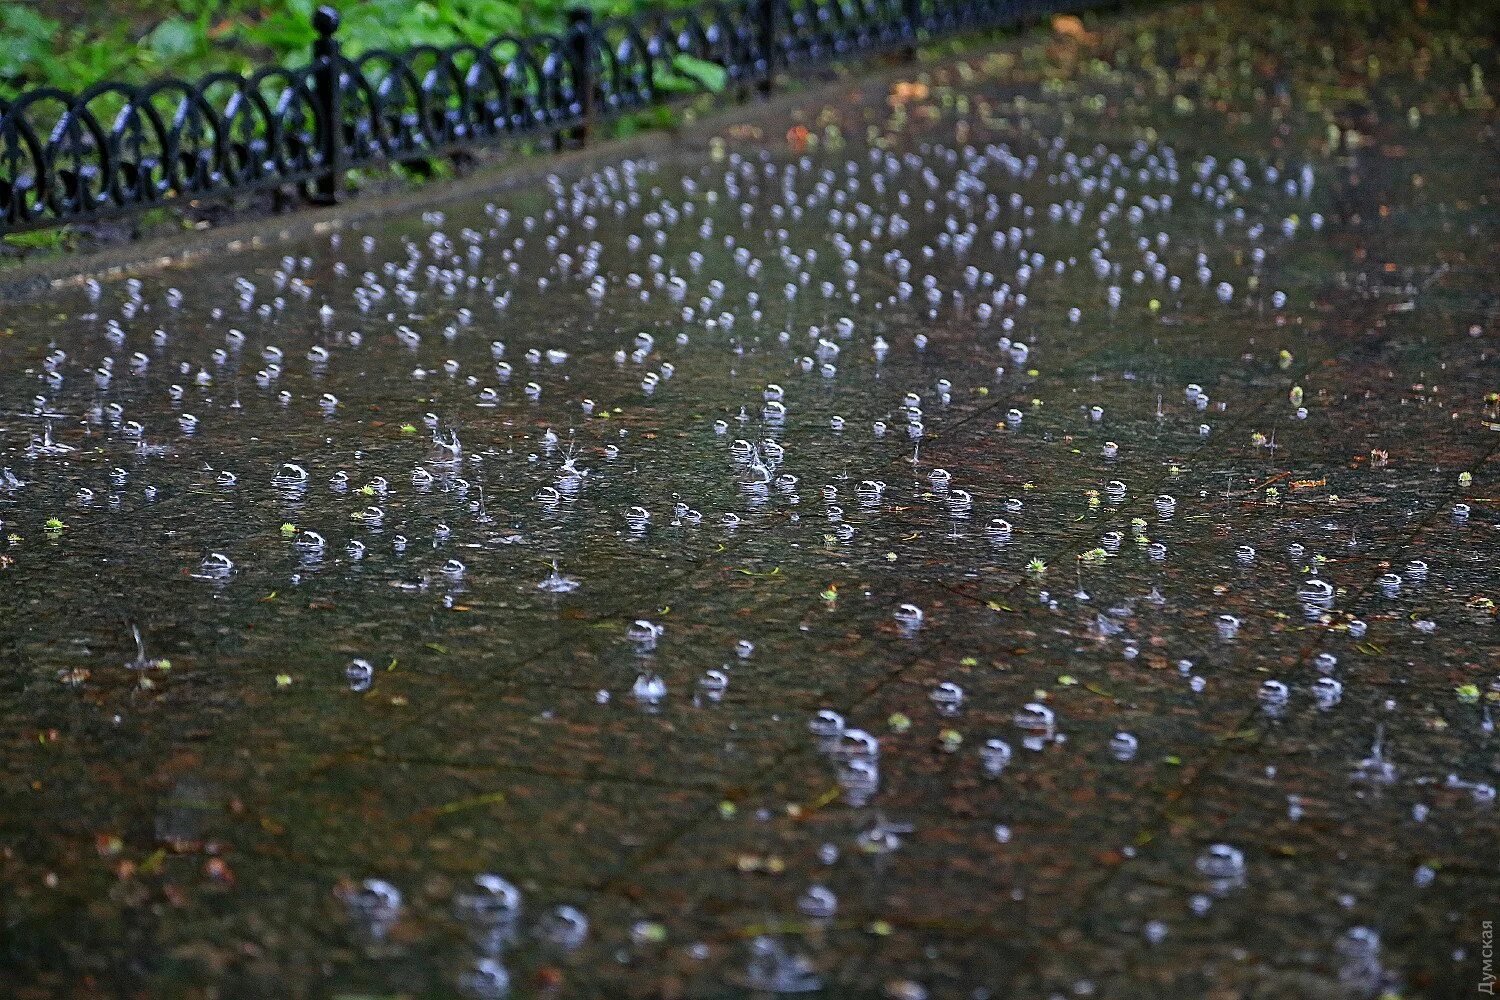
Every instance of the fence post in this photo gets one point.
(913, 11)
(328, 106)
(765, 39)
(581, 55)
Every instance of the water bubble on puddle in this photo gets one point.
(1327, 692)
(1123, 746)
(1360, 969)
(215, 566)
(773, 968)
(564, 927)
(376, 904)
(826, 724)
(995, 756)
(855, 745)
(488, 979)
(947, 697)
(309, 542)
(488, 900)
(291, 479)
(908, 619)
(1316, 597)
(1273, 694)
(713, 684)
(649, 689)
(360, 675)
(818, 902)
(999, 530)
(644, 634)
(882, 837)
(1038, 723)
(1222, 866)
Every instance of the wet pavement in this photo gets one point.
(1020, 527)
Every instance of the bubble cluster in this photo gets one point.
(1052, 494)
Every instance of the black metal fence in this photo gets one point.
(115, 148)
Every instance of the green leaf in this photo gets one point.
(172, 39)
(667, 82)
(709, 75)
(42, 239)
(659, 117)
(25, 37)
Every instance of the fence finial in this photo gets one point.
(326, 20)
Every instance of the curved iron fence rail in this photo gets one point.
(115, 148)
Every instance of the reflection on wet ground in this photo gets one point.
(1023, 530)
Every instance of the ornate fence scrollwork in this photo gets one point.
(115, 148)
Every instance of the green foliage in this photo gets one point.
(41, 240)
(35, 49)
(133, 40)
(659, 118)
(708, 75)
(174, 39)
(25, 35)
